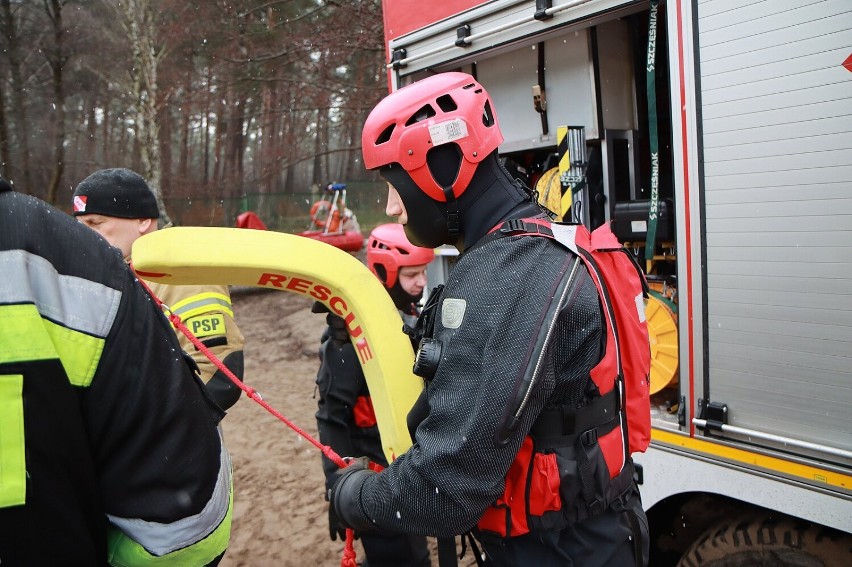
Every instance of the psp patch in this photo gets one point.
(207, 325)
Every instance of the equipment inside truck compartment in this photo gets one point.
(602, 172)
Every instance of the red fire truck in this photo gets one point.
(716, 137)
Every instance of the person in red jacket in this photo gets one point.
(523, 442)
(110, 451)
(345, 417)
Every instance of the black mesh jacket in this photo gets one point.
(489, 322)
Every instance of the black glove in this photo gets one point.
(344, 496)
(337, 329)
(334, 527)
(225, 392)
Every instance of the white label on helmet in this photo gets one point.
(452, 312)
(448, 131)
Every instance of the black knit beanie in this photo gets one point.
(115, 192)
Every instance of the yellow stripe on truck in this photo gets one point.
(316, 270)
(752, 459)
(564, 166)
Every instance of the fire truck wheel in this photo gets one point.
(769, 541)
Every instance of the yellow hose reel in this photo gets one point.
(661, 314)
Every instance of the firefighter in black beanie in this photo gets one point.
(120, 206)
(508, 370)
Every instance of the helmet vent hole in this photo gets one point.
(426, 111)
(382, 273)
(487, 115)
(385, 135)
(446, 103)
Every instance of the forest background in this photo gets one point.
(222, 105)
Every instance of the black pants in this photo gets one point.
(397, 550)
(606, 540)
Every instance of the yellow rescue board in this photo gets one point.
(318, 271)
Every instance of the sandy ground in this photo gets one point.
(280, 515)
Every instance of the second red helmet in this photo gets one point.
(388, 250)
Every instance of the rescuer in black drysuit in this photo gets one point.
(346, 420)
(495, 379)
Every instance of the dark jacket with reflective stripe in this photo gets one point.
(103, 423)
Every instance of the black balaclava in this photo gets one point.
(491, 196)
(402, 299)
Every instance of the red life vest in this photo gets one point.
(363, 412)
(542, 493)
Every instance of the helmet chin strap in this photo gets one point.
(452, 212)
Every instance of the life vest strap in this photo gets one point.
(600, 415)
(524, 226)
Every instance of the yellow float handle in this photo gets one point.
(316, 270)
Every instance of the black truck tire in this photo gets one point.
(766, 541)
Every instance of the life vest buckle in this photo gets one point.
(596, 507)
(513, 225)
(589, 437)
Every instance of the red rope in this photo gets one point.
(252, 393)
(348, 559)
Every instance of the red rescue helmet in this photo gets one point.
(448, 107)
(388, 250)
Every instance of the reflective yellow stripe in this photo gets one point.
(79, 353)
(73, 302)
(752, 459)
(202, 303)
(124, 552)
(25, 336)
(13, 471)
(22, 335)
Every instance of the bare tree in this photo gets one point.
(139, 24)
(210, 101)
(8, 25)
(4, 138)
(56, 59)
